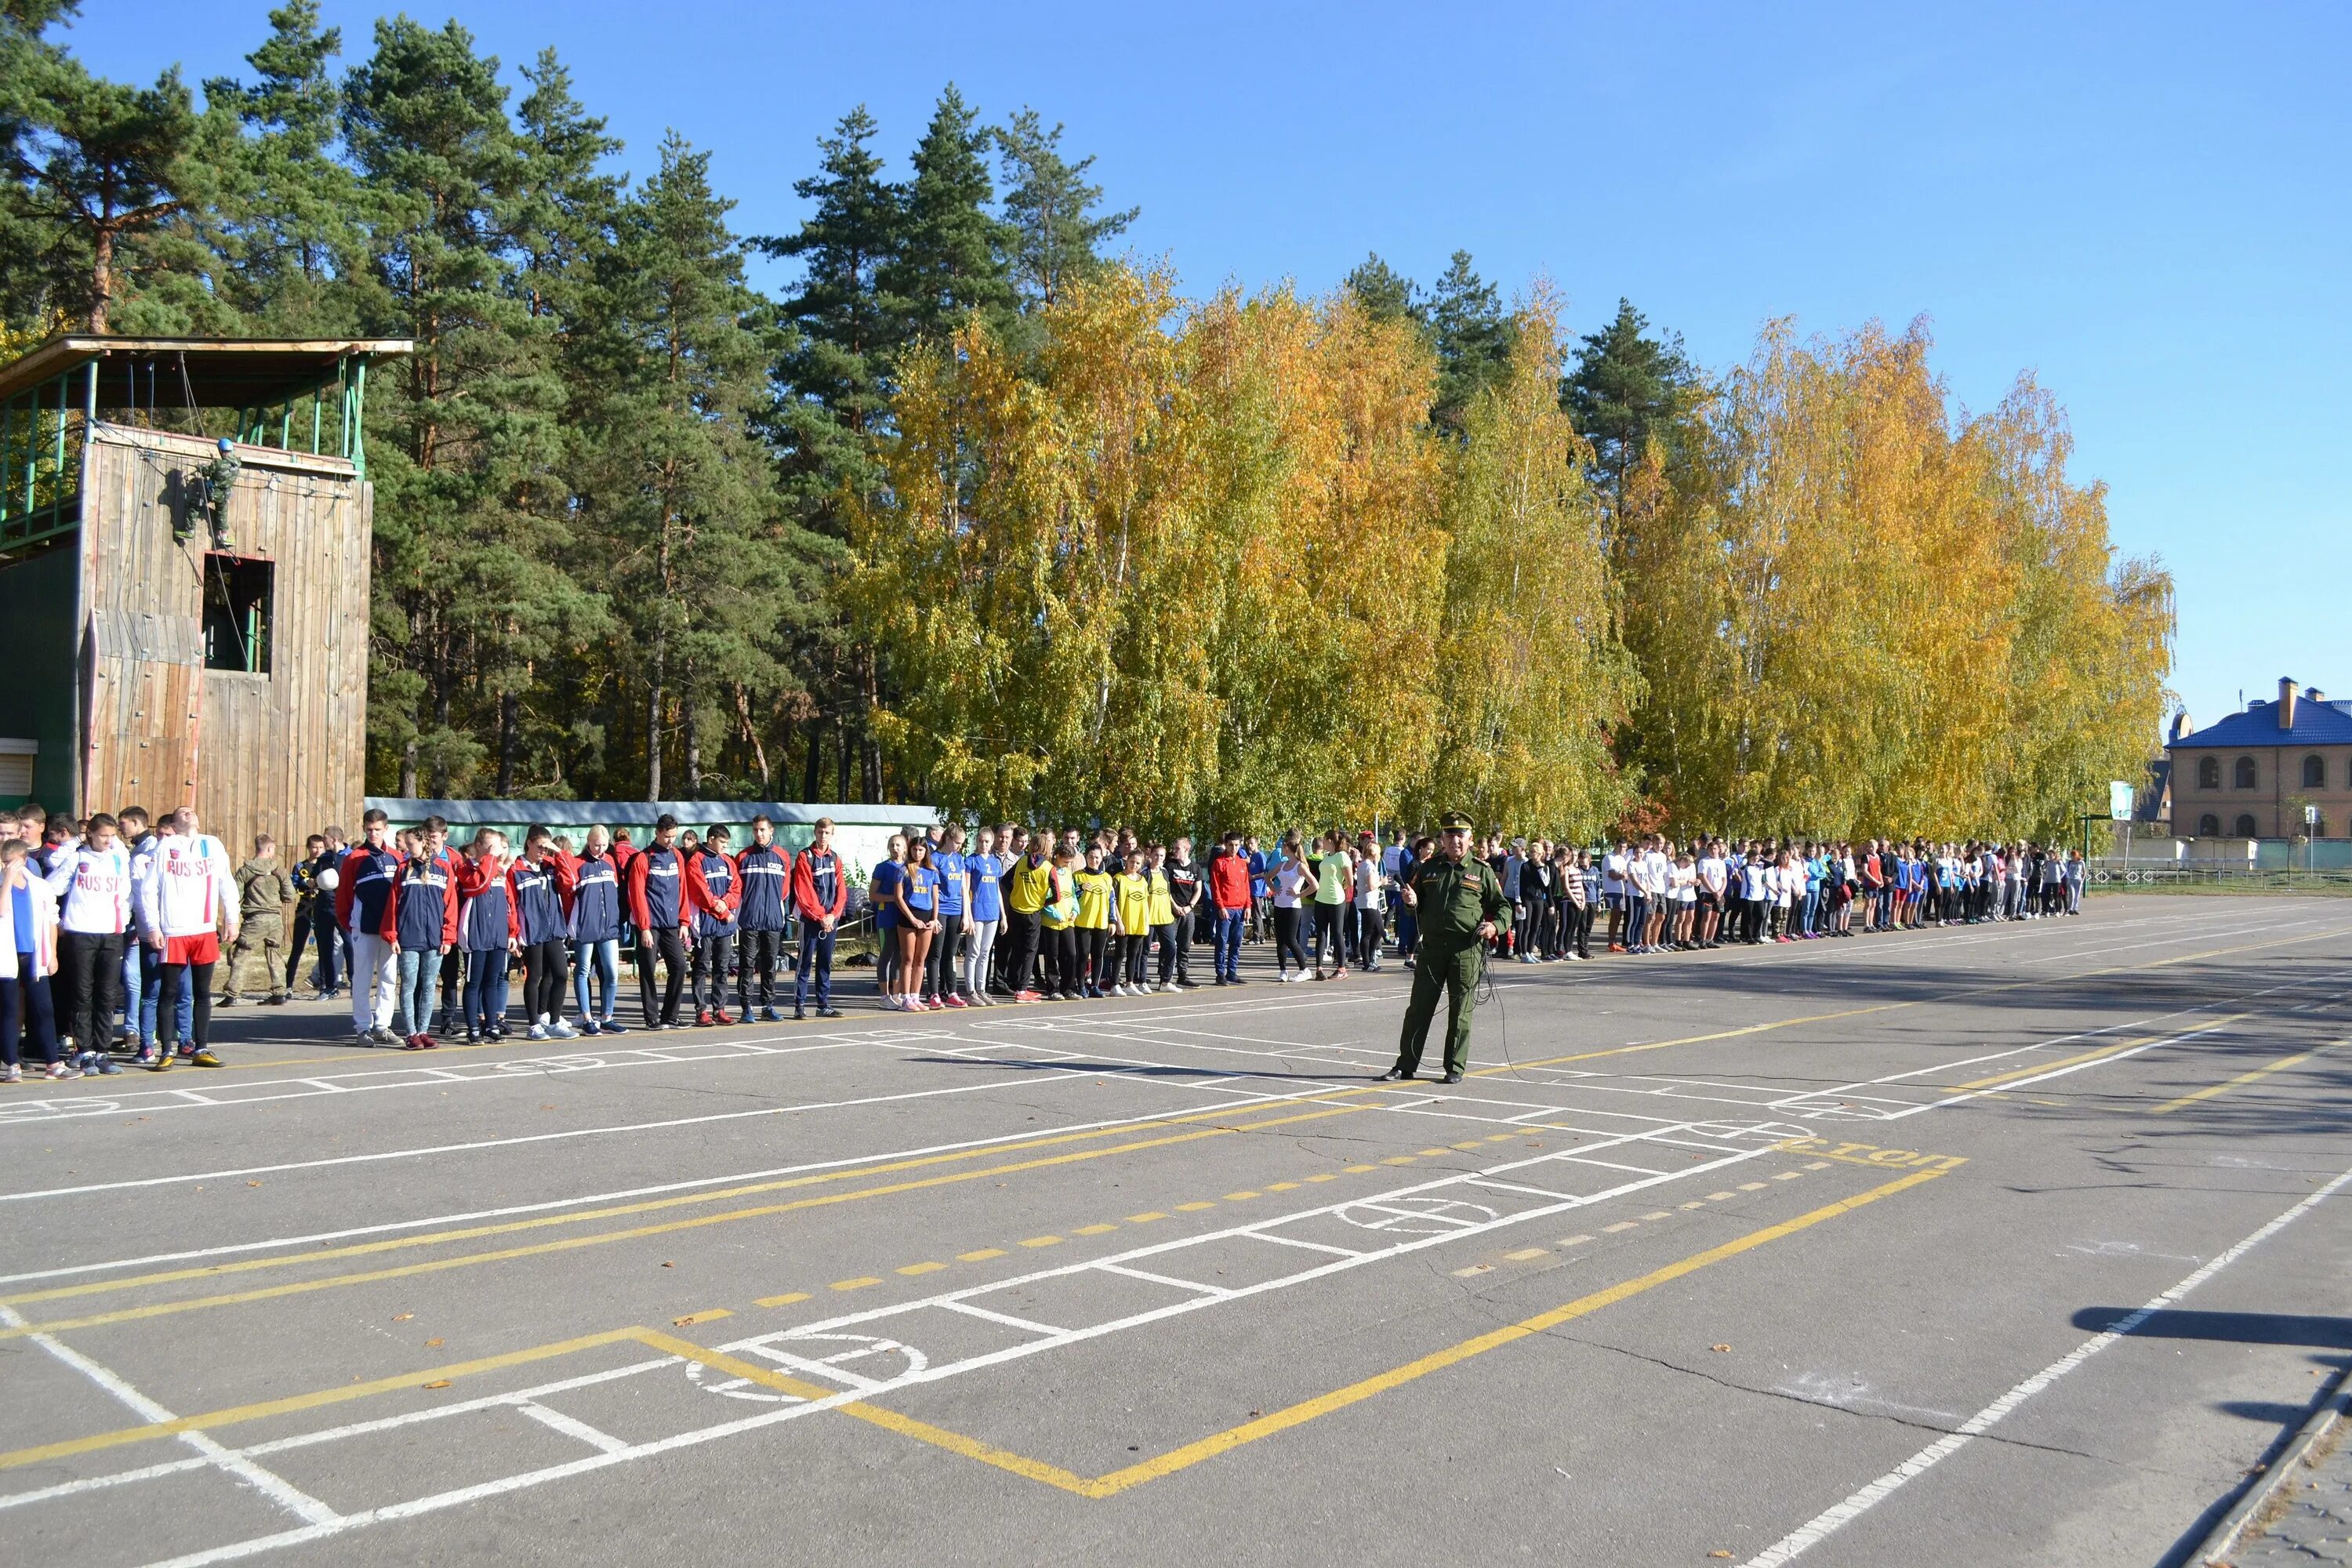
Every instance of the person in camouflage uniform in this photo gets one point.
(1458, 902)
(263, 890)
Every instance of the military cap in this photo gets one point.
(1454, 821)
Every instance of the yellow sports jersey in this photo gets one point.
(1032, 887)
(1163, 900)
(1093, 899)
(1134, 902)
(1062, 902)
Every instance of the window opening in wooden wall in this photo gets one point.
(238, 591)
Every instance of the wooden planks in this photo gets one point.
(281, 752)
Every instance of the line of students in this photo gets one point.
(423, 917)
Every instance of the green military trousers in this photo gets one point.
(1453, 970)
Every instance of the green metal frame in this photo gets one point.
(45, 429)
(42, 436)
(350, 384)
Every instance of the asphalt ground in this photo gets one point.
(1990, 1244)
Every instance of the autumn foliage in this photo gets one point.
(1187, 563)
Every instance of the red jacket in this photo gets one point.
(565, 869)
(804, 898)
(632, 876)
(699, 895)
(1229, 880)
(347, 885)
(448, 900)
(470, 877)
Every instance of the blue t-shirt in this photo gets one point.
(20, 899)
(922, 887)
(987, 890)
(951, 867)
(878, 888)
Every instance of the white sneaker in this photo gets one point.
(561, 1030)
(538, 1032)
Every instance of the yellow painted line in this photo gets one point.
(972, 1448)
(1094, 1230)
(913, 1268)
(288, 1404)
(1195, 1207)
(1399, 1159)
(1574, 1240)
(1751, 1186)
(786, 1299)
(1694, 1204)
(1307, 1410)
(2244, 1079)
(1324, 1176)
(1239, 1198)
(1282, 1187)
(1501, 1137)
(859, 1283)
(1818, 1165)
(1717, 1197)
(1360, 1169)
(711, 1315)
(1043, 1241)
(982, 1256)
(1431, 1153)
(1146, 1217)
(2039, 1068)
(1474, 1269)
(1621, 1225)
(656, 1205)
(1659, 1213)
(1788, 1175)
(1523, 1253)
(1474, 1143)
(436, 1266)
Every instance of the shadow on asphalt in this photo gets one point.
(2237, 1328)
(1146, 1069)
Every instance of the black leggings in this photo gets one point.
(1019, 949)
(1062, 973)
(26, 1006)
(1096, 953)
(1136, 944)
(1327, 929)
(945, 977)
(201, 977)
(1286, 939)
(545, 967)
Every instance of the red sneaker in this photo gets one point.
(721, 1015)
(702, 1018)
(416, 1043)
(957, 1002)
(1026, 996)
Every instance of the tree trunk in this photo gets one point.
(842, 726)
(409, 770)
(811, 780)
(689, 734)
(654, 728)
(101, 276)
(509, 724)
(752, 737)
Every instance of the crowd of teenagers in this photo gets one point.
(113, 929)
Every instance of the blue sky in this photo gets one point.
(2144, 206)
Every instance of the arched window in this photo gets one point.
(2246, 825)
(2208, 776)
(2245, 773)
(2314, 772)
(2210, 826)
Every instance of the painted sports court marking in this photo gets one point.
(1822, 1525)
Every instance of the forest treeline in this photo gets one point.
(978, 509)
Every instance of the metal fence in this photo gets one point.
(2117, 877)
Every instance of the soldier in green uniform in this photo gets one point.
(1459, 903)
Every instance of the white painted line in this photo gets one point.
(268, 1483)
(1214, 1292)
(572, 1428)
(1027, 1325)
(1823, 1524)
(1309, 1246)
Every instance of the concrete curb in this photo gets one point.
(2239, 1524)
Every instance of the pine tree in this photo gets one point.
(290, 226)
(1384, 293)
(1628, 389)
(839, 334)
(1058, 235)
(426, 124)
(950, 258)
(1473, 340)
(113, 164)
(704, 570)
(40, 277)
